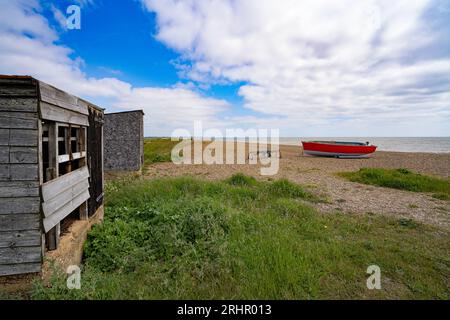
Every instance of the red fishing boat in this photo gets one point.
(338, 149)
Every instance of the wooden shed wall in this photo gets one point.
(29, 205)
(124, 140)
(20, 230)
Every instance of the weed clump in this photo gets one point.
(239, 179)
(403, 179)
(157, 232)
(408, 223)
(286, 188)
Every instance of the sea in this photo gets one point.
(397, 144)
(400, 144)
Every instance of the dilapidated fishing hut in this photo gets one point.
(51, 168)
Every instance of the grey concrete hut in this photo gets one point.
(124, 141)
(51, 168)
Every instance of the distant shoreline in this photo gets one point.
(416, 145)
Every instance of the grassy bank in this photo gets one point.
(157, 150)
(402, 179)
(239, 238)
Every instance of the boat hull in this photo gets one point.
(337, 150)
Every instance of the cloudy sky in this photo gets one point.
(307, 67)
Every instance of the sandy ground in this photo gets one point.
(319, 175)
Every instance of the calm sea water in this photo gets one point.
(434, 144)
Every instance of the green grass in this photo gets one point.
(402, 179)
(157, 150)
(185, 238)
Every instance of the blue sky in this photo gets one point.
(309, 68)
(118, 40)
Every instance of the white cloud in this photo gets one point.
(110, 70)
(19, 17)
(27, 47)
(311, 67)
(169, 108)
(59, 17)
(315, 61)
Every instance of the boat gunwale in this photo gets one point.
(341, 143)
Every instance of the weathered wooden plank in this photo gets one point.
(18, 120)
(23, 155)
(19, 104)
(21, 221)
(78, 155)
(57, 94)
(25, 138)
(62, 99)
(66, 157)
(51, 206)
(22, 172)
(12, 269)
(55, 113)
(4, 172)
(20, 255)
(55, 218)
(16, 80)
(4, 154)
(12, 189)
(22, 268)
(63, 158)
(19, 205)
(52, 188)
(23, 238)
(4, 137)
(18, 91)
(85, 105)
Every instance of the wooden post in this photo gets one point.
(68, 144)
(41, 175)
(52, 236)
(53, 148)
(83, 210)
(43, 243)
(81, 140)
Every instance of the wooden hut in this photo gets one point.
(51, 168)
